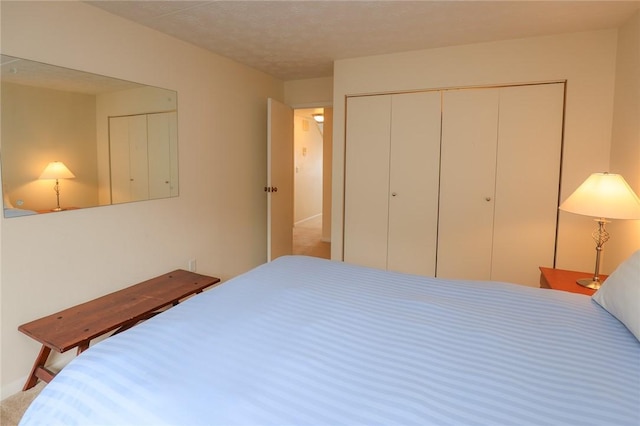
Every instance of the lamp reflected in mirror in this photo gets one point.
(57, 170)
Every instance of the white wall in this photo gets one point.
(625, 139)
(53, 261)
(585, 60)
(307, 158)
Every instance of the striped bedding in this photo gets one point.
(304, 341)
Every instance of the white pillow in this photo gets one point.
(620, 294)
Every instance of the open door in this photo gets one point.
(279, 179)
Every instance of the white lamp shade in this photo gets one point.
(604, 195)
(56, 170)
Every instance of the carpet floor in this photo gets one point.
(307, 239)
(13, 407)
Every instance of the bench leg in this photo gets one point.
(38, 371)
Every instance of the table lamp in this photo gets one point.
(57, 170)
(603, 196)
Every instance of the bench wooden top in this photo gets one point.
(71, 327)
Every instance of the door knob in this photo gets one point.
(487, 199)
(393, 194)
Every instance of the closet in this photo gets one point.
(143, 156)
(454, 183)
(393, 150)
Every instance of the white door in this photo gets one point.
(159, 149)
(467, 179)
(413, 183)
(391, 181)
(128, 158)
(499, 182)
(279, 179)
(366, 204)
(138, 157)
(119, 159)
(527, 181)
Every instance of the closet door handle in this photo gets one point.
(393, 194)
(487, 199)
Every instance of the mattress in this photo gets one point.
(305, 341)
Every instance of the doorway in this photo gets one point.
(312, 182)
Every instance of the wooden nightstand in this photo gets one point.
(560, 279)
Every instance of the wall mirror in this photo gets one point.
(110, 141)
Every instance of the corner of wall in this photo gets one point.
(625, 138)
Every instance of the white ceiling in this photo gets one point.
(301, 39)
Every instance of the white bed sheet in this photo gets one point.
(304, 341)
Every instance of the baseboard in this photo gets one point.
(307, 219)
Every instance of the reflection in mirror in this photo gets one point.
(117, 139)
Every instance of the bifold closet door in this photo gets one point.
(128, 158)
(527, 181)
(499, 182)
(413, 183)
(162, 151)
(391, 181)
(467, 183)
(366, 204)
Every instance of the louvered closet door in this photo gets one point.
(414, 174)
(527, 181)
(366, 205)
(467, 179)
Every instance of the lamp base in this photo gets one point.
(589, 283)
(57, 209)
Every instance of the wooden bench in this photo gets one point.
(119, 311)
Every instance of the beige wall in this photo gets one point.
(586, 60)
(625, 139)
(307, 157)
(311, 92)
(49, 262)
(47, 125)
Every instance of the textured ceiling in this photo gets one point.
(301, 39)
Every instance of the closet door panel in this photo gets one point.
(528, 175)
(159, 148)
(119, 159)
(414, 177)
(468, 167)
(138, 158)
(366, 206)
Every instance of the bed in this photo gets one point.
(306, 341)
